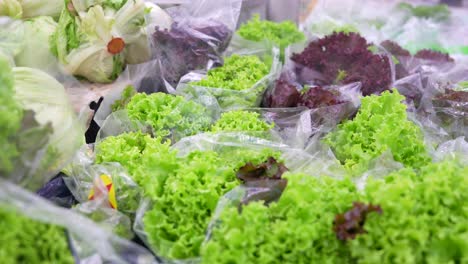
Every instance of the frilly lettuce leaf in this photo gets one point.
(11, 115)
(30, 241)
(169, 115)
(381, 125)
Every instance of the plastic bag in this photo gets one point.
(88, 241)
(199, 35)
(229, 99)
(227, 146)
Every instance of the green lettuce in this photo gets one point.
(240, 120)
(296, 229)
(30, 8)
(422, 220)
(237, 82)
(424, 217)
(187, 186)
(47, 99)
(148, 160)
(281, 34)
(27, 241)
(35, 52)
(381, 125)
(177, 222)
(169, 115)
(11, 114)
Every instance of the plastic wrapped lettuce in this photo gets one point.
(296, 229)
(329, 220)
(35, 51)
(281, 35)
(31, 241)
(162, 115)
(240, 82)
(196, 40)
(97, 41)
(30, 8)
(39, 232)
(380, 125)
(40, 130)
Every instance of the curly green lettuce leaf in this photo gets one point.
(240, 120)
(177, 222)
(237, 73)
(424, 217)
(11, 114)
(127, 95)
(296, 229)
(281, 34)
(27, 241)
(381, 125)
(169, 115)
(148, 160)
(237, 82)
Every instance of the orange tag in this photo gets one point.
(115, 46)
(107, 181)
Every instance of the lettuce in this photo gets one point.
(30, 8)
(11, 114)
(381, 125)
(296, 229)
(11, 8)
(96, 41)
(237, 82)
(148, 160)
(343, 58)
(178, 186)
(27, 241)
(193, 192)
(169, 115)
(400, 221)
(37, 32)
(241, 120)
(47, 98)
(281, 34)
(423, 220)
(237, 73)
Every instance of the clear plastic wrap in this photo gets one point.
(229, 98)
(90, 243)
(208, 145)
(43, 131)
(196, 40)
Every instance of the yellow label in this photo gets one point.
(106, 180)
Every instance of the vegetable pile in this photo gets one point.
(339, 140)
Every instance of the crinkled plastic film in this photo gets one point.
(88, 241)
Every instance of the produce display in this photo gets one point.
(137, 133)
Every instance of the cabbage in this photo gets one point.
(96, 39)
(30, 8)
(35, 52)
(38, 128)
(44, 95)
